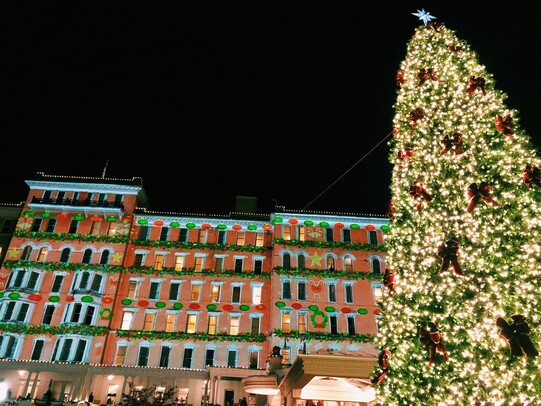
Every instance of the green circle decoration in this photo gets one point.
(211, 307)
(330, 309)
(87, 299)
(244, 307)
(221, 226)
(277, 220)
(308, 223)
(324, 321)
(280, 304)
(1, 295)
(362, 311)
(142, 222)
(28, 213)
(385, 228)
(14, 295)
(354, 226)
(126, 302)
(190, 225)
(46, 215)
(160, 305)
(313, 307)
(252, 227)
(54, 299)
(111, 219)
(178, 306)
(79, 217)
(174, 224)
(106, 314)
(324, 224)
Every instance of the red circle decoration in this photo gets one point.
(339, 225)
(260, 307)
(346, 310)
(95, 217)
(143, 303)
(370, 227)
(34, 297)
(194, 306)
(107, 300)
(159, 223)
(206, 226)
(236, 227)
(70, 299)
(62, 216)
(267, 227)
(227, 307)
(293, 221)
(377, 312)
(296, 306)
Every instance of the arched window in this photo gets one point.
(87, 256)
(301, 261)
(348, 264)
(26, 253)
(376, 267)
(286, 261)
(330, 263)
(105, 257)
(65, 256)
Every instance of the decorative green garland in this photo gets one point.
(353, 246)
(325, 336)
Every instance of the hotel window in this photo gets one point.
(196, 292)
(57, 283)
(42, 253)
(51, 224)
(27, 251)
(198, 264)
(259, 239)
(164, 234)
(258, 267)
(111, 228)
(74, 224)
(286, 261)
(80, 313)
(255, 325)
(235, 294)
(346, 235)
(159, 261)
(170, 319)
(37, 350)
(286, 322)
(209, 357)
(154, 293)
(238, 265)
(187, 358)
(212, 327)
(329, 234)
(127, 318)
(330, 263)
(148, 323)
(218, 264)
(14, 311)
(254, 359)
(301, 233)
(234, 323)
(256, 294)
(202, 236)
(351, 325)
(241, 237)
(70, 350)
(144, 232)
(120, 357)
(183, 235)
(301, 290)
(65, 255)
(215, 294)
(301, 261)
(333, 321)
(302, 320)
(48, 314)
(142, 358)
(8, 346)
(87, 256)
(348, 264)
(332, 292)
(376, 268)
(191, 323)
(139, 260)
(132, 288)
(286, 289)
(94, 227)
(165, 354)
(377, 288)
(221, 237)
(348, 293)
(174, 290)
(179, 262)
(104, 260)
(96, 283)
(373, 237)
(232, 358)
(286, 231)
(36, 225)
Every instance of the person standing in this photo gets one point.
(243, 401)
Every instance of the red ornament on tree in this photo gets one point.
(452, 142)
(532, 175)
(477, 193)
(476, 83)
(448, 253)
(419, 193)
(505, 125)
(431, 338)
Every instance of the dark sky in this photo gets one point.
(290, 102)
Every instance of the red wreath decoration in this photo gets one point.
(391, 211)
(399, 78)
(431, 338)
(532, 175)
(505, 125)
(448, 253)
(476, 83)
(516, 334)
(478, 192)
(418, 192)
(452, 142)
(424, 74)
(388, 280)
(416, 115)
(383, 362)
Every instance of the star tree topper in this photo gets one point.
(424, 16)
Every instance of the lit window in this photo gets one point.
(286, 322)
(42, 254)
(199, 264)
(287, 232)
(158, 263)
(301, 233)
(191, 323)
(150, 317)
(196, 292)
(234, 323)
(303, 322)
(132, 289)
(213, 325)
(241, 238)
(259, 239)
(170, 322)
(120, 357)
(127, 318)
(111, 228)
(94, 227)
(256, 295)
(348, 263)
(202, 236)
(179, 262)
(215, 295)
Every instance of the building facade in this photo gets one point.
(99, 293)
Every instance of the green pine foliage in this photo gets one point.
(462, 318)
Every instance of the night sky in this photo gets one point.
(290, 102)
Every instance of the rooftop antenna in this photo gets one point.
(104, 169)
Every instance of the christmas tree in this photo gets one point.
(461, 310)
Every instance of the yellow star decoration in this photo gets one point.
(316, 259)
(117, 257)
(13, 253)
